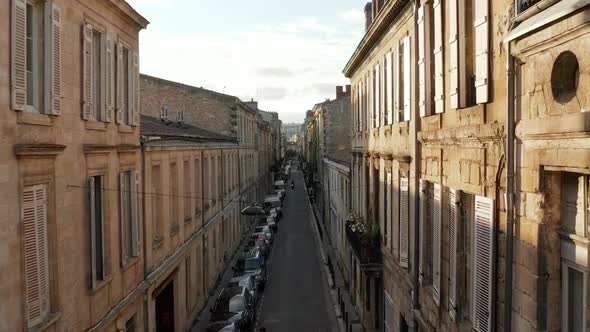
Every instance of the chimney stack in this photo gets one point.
(340, 92)
(368, 15)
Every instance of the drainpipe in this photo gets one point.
(510, 137)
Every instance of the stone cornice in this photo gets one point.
(388, 14)
(38, 149)
(124, 7)
(477, 134)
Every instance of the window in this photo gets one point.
(402, 81)
(36, 267)
(404, 203)
(130, 325)
(198, 188)
(188, 215)
(97, 230)
(388, 88)
(425, 238)
(387, 210)
(376, 97)
(464, 77)
(483, 261)
(206, 190)
(97, 66)
(157, 202)
(173, 197)
(127, 85)
(36, 57)
(575, 201)
(129, 224)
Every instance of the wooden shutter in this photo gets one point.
(437, 52)
(482, 45)
(389, 86)
(360, 106)
(423, 220)
(135, 241)
(421, 63)
(396, 85)
(130, 93)
(377, 94)
(92, 212)
(483, 261)
(407, 79)
(19, 55)
(119, 116)
(367, 103)
(404, 221)
(109, 76)
(34, 219)
(54, 106)
(436, 241)
(123, 217)
(453, 55)
(87, 72)
(135, 95)
(454, 222)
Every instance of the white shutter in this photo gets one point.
(483, 261)
(19, 55)
(403, 221)
(54, 68)
(135, 241)
(361, 107)
(109, 76)
(377, 96)
(436, 241)
(367, 103)
(34, 219)
(135, 94)
(482, 45)
(123, 218)
(453, 55)
(454, 222)
(421, 63)
(130, 94)
(389, 87)
(437, 52)
(87, 72)
(423, 234)
(407, 79)
(119, 114)
(397, 87)
(371, 97)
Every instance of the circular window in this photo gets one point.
(564, 77)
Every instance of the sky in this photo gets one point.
(287, 54)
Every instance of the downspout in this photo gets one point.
(145, 262)
(510, 136)
(417, 172)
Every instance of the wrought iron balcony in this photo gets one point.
(366, 246)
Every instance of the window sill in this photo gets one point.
(35, 119)
(123, 128)
(96, 125)
(49, 322)
(100, 284)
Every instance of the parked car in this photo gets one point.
(249, 282)
(273, 201)
(252, 263)
(260, 243)
(263, 236)
(234, 305)
(277, 213)
(270, 222)
(266, 230)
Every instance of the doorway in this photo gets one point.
(165, 309)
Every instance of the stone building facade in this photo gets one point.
(71, 257)
(192, 224)
(384, 176)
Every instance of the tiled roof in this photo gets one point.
(163, 128)
(342, 156)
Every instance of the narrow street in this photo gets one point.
(296, 295)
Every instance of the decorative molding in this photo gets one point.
(38, 149)
(98, 148)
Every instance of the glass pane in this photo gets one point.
(575, 301)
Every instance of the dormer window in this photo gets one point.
(180, 116)
(164, 112)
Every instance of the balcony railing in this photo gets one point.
(367, 248)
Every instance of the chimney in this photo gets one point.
(340, 92)
(368, 15)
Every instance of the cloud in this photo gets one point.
(272, 93)
(275, 72)
(352, 16)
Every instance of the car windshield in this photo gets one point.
(252, 264)
(237, 304)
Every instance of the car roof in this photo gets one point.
(239, 278)
(252, 253)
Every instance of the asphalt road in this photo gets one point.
(296, 295)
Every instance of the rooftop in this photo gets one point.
(162, 128)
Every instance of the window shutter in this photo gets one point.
(454, 201)
(389, 86)
(34, 219)
(135, 241)
(87, 72)
(407, 79)
(119, 116)
(423, 234)
(135, 94)
(360, 106)
(403, 221)
(421, 64)
(436, 241)
(482, 44)
(55, 105)
(453, 55)
(483, 261)
(439, 106)
(109, 75)
(367, 103)
(19, 55)
(397, 87)
(130, 89)
(122, 218)
(92, 212)
(377, 101)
